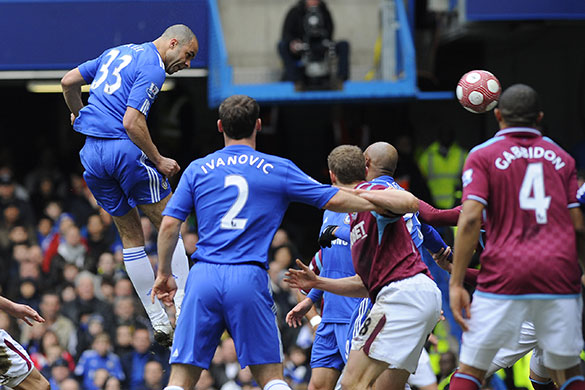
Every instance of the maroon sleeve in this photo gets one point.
(435, 217)
(471, 276)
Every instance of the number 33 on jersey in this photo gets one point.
(124, 76)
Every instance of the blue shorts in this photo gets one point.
(120, 176)
(329, 346)
(224, 296)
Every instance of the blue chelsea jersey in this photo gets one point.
(240, 196)
(336, 263)
(124, 76)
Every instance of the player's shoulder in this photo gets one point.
(557, 148)
(371, 185)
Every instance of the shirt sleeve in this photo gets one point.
(573, 188)
(343, 233)
(146, 87)
(303, 188)
(89, 69)
(182, 201)
(436, 217)
(432, 239)
(581, 195)
(475, 180)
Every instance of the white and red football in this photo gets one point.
(478, 91)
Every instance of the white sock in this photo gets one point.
(180, 269)
(141, 274)
(277, 384)
(173, 388)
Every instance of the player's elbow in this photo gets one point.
(71, 80)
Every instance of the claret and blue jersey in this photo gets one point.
(240, 196)
(124, 76)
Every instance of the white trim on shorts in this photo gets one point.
(20, 363)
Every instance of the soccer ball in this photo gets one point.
(478, 91)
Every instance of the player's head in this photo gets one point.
(519, 106)
(346, 165)
(238, 117)
(381, 159)
(179, 46)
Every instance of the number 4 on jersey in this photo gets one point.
(532, 194)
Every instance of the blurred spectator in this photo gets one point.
(125, 311)
(447, 364)
(69, 384)
(86, 303)
(302, 34)
(81, 203)
(123, 288)
(89, 327)
(134, 363)
(50, 310)
(44, 231)
(296, 367)
(60, 372)
(99, 357)
(42, 194)
(73, 250)
(123, 343)
(11, 195)
(107, 290)
(408, 174)
(227, 367)
(441, 164)
(153, 376)
(98, 242)
(112, 383)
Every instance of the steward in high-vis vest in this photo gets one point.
(441, 164)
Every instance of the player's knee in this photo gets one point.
(559, 362)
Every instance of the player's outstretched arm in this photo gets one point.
(305, 279)
(346, 202)
(164, 286)
(137, 129)
(468, 229)
(395, 201)
(22, 312)
(71, 84)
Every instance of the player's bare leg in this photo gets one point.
(141, 274)
(570, 376)
(269, 374)
(34, 381)
(183, 377)
(323, 378)
(541, 383)
(362, 371)
(179, 262)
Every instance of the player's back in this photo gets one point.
(240, 196)
(527, 183)
(127, 75)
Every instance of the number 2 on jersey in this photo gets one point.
(532, 195)
(229, 220)
(104, 70)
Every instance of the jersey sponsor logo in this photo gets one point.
(165, 185)
(536, 152)
(346, 220)
(358, 232)
(152, 91)
(241, 159)
(467, 177)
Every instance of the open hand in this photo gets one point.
(25, 313)
(460, 305)
(303, 278)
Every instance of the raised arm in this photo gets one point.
(395, 201)
(345, 202)
(71, 84)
